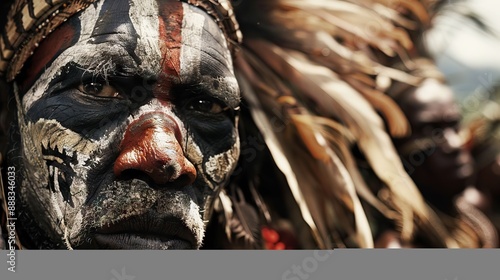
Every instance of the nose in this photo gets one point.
(150, 147)
(453, 141)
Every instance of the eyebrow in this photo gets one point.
(105, 64)
(73, 73)
(99, 64)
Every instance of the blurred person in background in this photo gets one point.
(437, 160)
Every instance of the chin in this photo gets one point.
(146, 230)
(134, 241)
(150, 231)
(453, 187)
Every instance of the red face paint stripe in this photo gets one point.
(171, 16)
(49, 49)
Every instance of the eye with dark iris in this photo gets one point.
(205, 105)
(99, 89)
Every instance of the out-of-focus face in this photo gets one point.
(128, 126)
(434, 154)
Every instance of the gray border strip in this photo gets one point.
(351, 264)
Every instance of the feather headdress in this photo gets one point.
(322, 67)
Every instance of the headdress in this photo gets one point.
(322, 69)
(30, 21)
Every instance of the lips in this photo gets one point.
(462, 165)
(146, 232)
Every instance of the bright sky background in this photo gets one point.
(469, 57)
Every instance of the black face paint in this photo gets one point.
(89, 147)
(214, 133)
(114, 25)
(61, 161)
(82, 113)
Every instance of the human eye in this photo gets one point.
(206, 105)
(196, 101)
(99, 88)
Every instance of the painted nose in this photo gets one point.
(151, 148)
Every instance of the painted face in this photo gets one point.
(434, 154)
(128, 125)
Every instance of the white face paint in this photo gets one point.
(220, 165)
(201, 38)
(95, 165)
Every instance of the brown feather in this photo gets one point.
(281, 159)
(245, 222)
(336, 97)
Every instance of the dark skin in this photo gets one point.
(488, 178)
(128, 128)
(443, 168)
(434, 154)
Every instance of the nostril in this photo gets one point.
(186, 179)
(167, 171)
(130, 174)
(156, 181)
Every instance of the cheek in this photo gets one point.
(213, 147)
(53, 175)
(219, 167)
(46, 143)
(213, 170)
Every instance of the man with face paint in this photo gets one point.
(127, 116)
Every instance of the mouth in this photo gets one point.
(146, 232)
(463, 166)
(465, 170)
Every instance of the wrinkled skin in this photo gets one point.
(127, 124)
(442, 167)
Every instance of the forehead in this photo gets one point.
(162, 28)
(164, 39)
(432, 102)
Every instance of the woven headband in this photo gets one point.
(30, 21)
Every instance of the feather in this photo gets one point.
(260, 203)
(245, 222)
(239, 219)
(338, 182)
(336, 98)
(309, 138)
(224, 205)
(320, 68)
(341, 18)
(272, 140)
(330, 177)
(397, 122)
